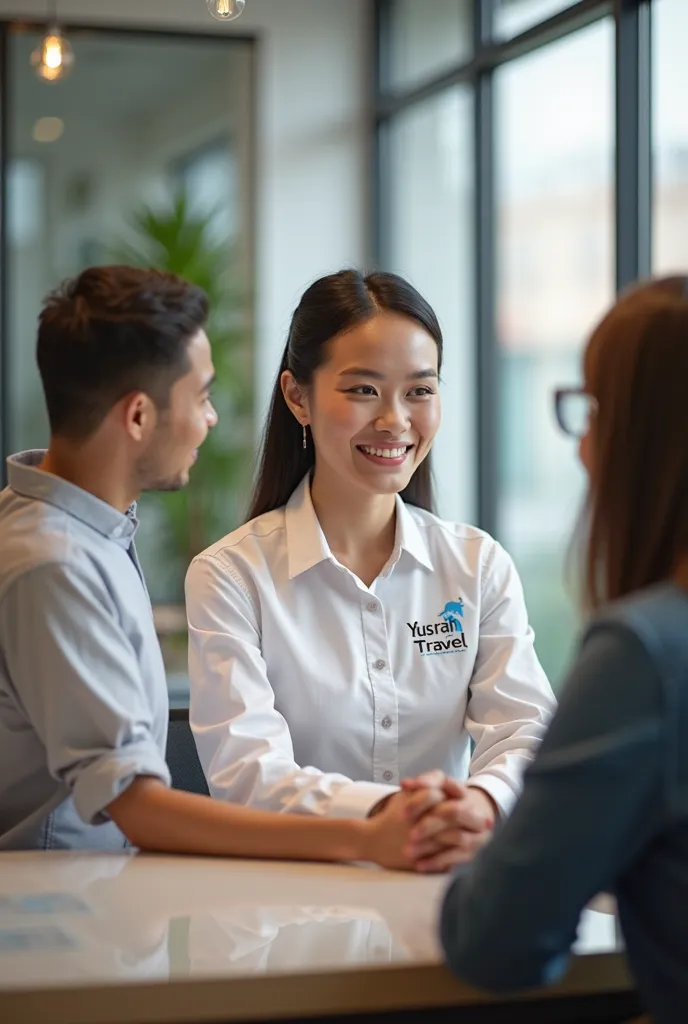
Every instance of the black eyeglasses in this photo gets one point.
(574, 408)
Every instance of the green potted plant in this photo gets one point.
(177, 239)
(177, 525)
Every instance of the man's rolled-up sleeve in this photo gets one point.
(78, 680)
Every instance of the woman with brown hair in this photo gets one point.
(605, 804)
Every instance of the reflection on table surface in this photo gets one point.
(67, 919)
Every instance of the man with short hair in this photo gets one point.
(126, 369)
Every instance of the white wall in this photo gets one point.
(312, 142)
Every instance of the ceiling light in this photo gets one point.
(53, 58)
(225, 10)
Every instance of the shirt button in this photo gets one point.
(388, 776)
(386, 722)
(380, 664)
(117, 532)
(372, 607)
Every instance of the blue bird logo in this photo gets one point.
(453, 612)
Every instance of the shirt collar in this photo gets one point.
(307, 545)
(306, 542)
(26, 479)
(409, 536)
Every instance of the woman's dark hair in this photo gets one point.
(108, 332)
(636, 366)
(331, 305)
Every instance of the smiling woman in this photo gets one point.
(348, 342)
(372, 405)
(345, 638)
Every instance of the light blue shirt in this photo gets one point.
(604, 807)
(83, 695)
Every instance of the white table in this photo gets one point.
(108, 939)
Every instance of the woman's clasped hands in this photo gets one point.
(433, 824)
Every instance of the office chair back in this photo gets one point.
(182, 756)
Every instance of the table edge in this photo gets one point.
(269, 997)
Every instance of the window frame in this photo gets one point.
(633, 173)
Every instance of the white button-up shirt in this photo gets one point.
(312, 692)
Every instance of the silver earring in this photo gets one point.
(305, 437)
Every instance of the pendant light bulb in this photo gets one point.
(225, 10)
(53, 58)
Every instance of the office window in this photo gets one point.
(424, 39)
(554, 181)
(670, 126)
(158, 171)
(431, 243)
(515, 16)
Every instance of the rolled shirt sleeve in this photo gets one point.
(510, 700)
(81, 684)
(243, 741)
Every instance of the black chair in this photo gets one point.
(182, 756)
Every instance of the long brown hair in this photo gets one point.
(636, 366)
(331, 305)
